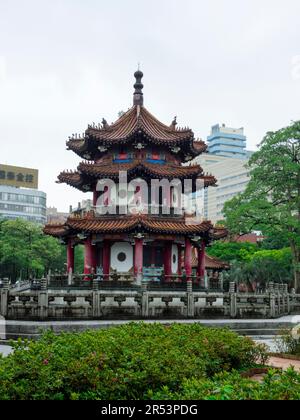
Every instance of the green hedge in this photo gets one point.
(126, 362)
(231, 386)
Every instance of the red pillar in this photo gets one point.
(95, 257)
(70, 256)
(168, 260)
(188, 258)
(89, 259)
(106, 257)
(201, 260)
(179, 247)
(138, 256)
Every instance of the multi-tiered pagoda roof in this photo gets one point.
(139, 123)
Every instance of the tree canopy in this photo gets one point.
(271, 202)
(25, 251)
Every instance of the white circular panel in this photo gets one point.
(121, 257)
(174, 258)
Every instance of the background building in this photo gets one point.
(54, 216)
(227, 159)
(19, 195)
(226, 141)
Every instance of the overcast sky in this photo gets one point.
(67, 63)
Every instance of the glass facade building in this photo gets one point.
(22, 203)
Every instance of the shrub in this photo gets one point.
(121, 363)
(231, 386)
(288, 341)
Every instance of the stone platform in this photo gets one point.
(255, 328)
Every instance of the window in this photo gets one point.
(156, 157)
(121, 257)
(123, 157)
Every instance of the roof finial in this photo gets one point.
(174, 123)
(138, 97)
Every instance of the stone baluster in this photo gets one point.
(233, 299)
(96, 301)
(221, 281)
(282, 298)
(277, 298)
(6, 284)
(4, 292)
(190, 299)
(286, 298)
(95, 283)
(70, 277)
(145, 299)
(43, 299)
(272, 300)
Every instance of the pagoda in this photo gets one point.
(145, 149)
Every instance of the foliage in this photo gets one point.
(232, 251)
(272, 265)
(275, 241)
(232, 386)
(250, 264)
(25, 251)
(271, 202)
(121, 363)
(79, 259)
(288, 342)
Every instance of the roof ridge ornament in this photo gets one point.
(174, 123)
(104, 124)
(138, 97)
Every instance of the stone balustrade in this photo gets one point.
(99, 300)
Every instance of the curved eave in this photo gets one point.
(131, 224)
(211, 263)
(208, 180)
(199, 147)
(215, 263)
(138, 120)
(56, 230)
(141, 134)
(159, 171)
(219, 233)
(75, 180)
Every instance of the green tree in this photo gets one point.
(272, 265)
(271, 202)
(25, 251)
(232, 251)
(79, 259)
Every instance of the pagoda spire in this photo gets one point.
(138, 96)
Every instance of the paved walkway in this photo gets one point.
(284, 364)
(285, 319)
(5, 350)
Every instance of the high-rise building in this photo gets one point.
(226, 141)
(227, 159)
(232, 176)
(19, 196)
